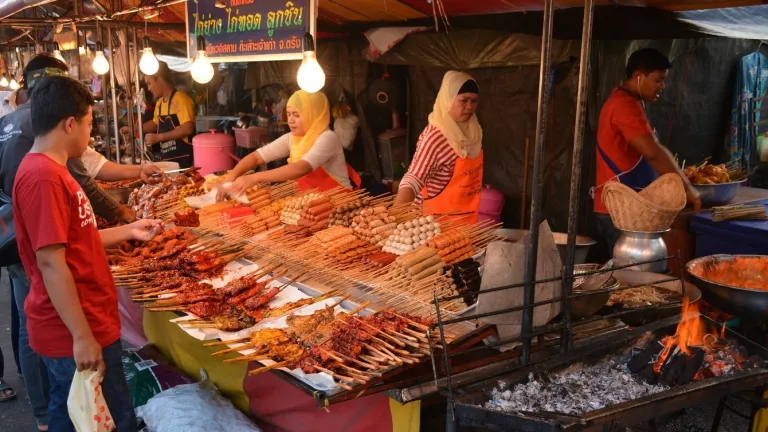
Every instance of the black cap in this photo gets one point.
(40, 66)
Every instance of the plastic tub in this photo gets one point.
(214, 152)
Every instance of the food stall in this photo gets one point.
(392, 292)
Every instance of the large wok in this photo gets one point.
(643, 316)
(730, 299)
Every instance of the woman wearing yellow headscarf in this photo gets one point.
(446, 173)
(315, 154)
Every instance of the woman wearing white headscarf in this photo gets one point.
(446, 173)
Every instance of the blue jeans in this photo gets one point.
(32, 367)
(61, 370)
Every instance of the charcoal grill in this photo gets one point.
(469, 400)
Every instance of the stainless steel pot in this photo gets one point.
(638, 246)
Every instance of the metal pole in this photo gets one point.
(139, 142)
(576, 162)
(113, 86)
(126, 55)
(532, 246)
(105, 98)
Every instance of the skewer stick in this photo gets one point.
(339, 376)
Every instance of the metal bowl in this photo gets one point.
(718, 194)
(643, 316)
(591, 282)
(730, 299)
(583, 243)
(582, 307)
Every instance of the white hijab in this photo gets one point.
(465, 138)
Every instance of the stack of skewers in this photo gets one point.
(352, 349)
(741, 212)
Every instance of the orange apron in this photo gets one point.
(461, 196)
(322, 181)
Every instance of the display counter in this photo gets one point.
(275, 404)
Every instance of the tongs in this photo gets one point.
(180, 170)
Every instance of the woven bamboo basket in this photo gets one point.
(652, 209)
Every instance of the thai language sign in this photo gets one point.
(250, 30)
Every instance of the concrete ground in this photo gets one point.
(16, 415)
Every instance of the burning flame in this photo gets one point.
(691, 331)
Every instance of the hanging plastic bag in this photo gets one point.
(345, 123)
(86, 404)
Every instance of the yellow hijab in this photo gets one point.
(316, 118)
(466, 139)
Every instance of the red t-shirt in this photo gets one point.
(49, 208)
(622, 119)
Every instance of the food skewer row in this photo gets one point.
(410, 235)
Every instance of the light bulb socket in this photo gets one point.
(99, 47)
(309, 42)
(201, 43)
(146, 42)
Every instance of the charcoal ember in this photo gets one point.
(691, 366)
(645, 358)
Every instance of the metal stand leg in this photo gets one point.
(718, 415)
(450, 421)
(653, 426)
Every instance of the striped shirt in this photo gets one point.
(432, 165)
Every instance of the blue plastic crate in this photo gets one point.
(729, 237)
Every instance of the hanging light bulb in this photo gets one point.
(4, 81)
(57, 52)
(100, 63)
(148, 63)
(13, 85)
(311, 77)
(202, 69)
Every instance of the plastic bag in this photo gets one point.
(194, 407)
(346, 129)
(86, 404)
(148, 373)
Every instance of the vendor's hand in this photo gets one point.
(692, 196)
(126, 215)
(151, 139)
(221, 191)
(242, 184)
(144, 229)
(87, 353)
(146, 173)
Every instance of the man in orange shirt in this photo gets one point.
(628, 149)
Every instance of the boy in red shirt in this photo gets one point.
(628, 149)
(72, 315)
